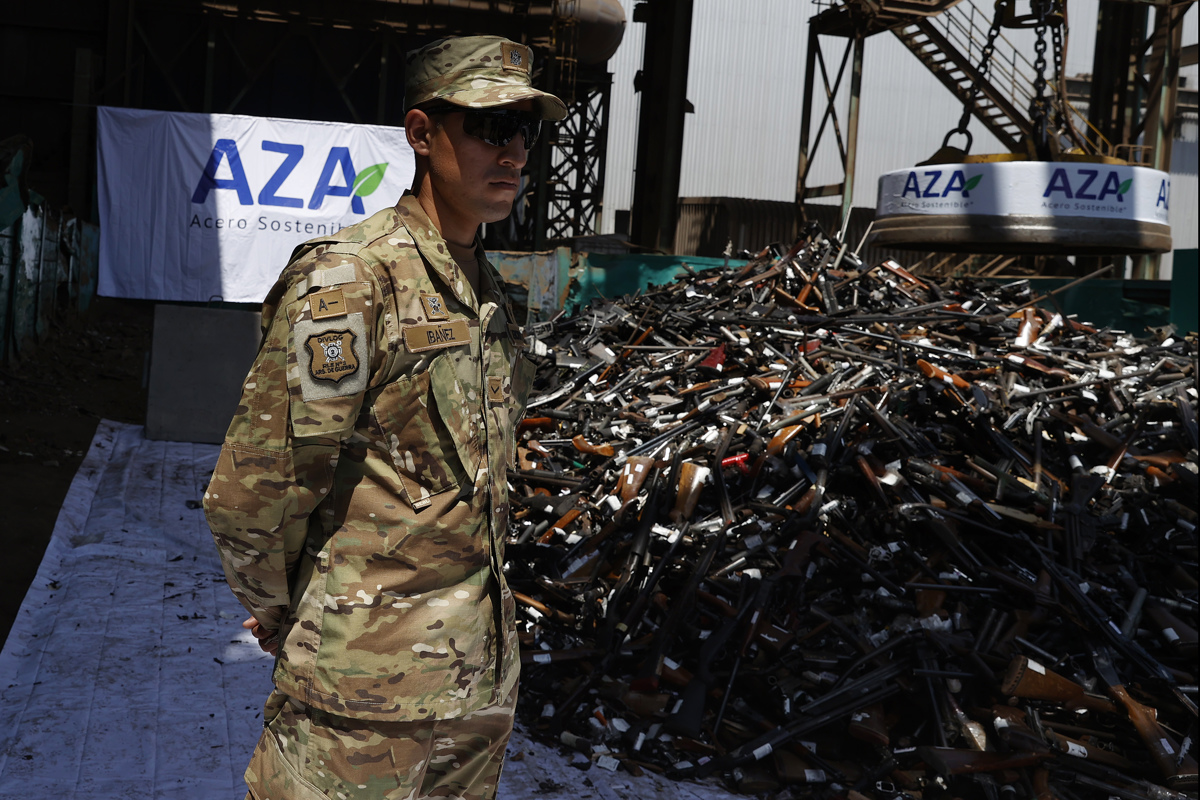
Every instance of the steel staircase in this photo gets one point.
(950, 46)
(948, 37)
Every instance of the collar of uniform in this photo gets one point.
(490, 283)
(433, 247)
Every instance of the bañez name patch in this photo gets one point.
(332, 355)
(418, 338)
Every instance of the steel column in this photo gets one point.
(661, 121)
(852, 130)
(1167, 43)
(810, 63)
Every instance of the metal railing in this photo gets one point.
(966, 25)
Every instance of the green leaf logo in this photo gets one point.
(974, 181)
(369, 179)
(1124, 187)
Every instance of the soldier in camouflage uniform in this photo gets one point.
(359, 503)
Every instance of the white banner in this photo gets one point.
(1044, 189)
(201, 206)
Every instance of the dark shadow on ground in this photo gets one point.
(87, 368)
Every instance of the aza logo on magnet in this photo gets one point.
(1087, 184)
(929, 183)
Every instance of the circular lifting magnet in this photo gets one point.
(1050, 208)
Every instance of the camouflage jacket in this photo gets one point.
(359, 502)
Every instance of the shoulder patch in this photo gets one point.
(336, 276)
(327, 304)
(332, 356)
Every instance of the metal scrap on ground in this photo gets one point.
(824, 529)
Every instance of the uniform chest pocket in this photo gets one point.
(421, 445)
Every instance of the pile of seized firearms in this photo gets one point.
(827, 530)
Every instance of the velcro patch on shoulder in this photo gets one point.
(326, 278)
(434, 336)
(333, 356)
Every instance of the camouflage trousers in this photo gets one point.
(308, 754)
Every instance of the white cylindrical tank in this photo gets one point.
(601, 27)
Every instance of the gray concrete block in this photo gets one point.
(198, 361)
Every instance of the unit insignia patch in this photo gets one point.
(435, 308)
(514, 56)
(333, 357)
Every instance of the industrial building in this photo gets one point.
(860, 456)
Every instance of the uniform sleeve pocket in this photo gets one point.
(422, 448)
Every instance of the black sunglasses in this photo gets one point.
(497, 127)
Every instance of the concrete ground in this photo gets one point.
(127, 675)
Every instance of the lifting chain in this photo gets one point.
(1037, 106)
(1060, 111)
(985, 63)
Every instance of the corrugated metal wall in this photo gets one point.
(707, 225)
(746, 79)
(624, 106)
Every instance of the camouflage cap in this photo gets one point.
(475, 72)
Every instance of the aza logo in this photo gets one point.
(957, 183)
(1086, 184)
(356, 185)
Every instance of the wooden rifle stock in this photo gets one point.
(951, 761)
(691, 481)
(1179, 769)
(583, 446)
(1081, 749)
(870, 725)
(633, 475)
(937, 373)
(1028, 679)
(1013, 730)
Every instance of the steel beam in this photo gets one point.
(661, 121)
(852, 132)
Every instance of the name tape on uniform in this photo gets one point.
(418, 338)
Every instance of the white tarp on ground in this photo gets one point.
(194, 206)
(127, 676)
